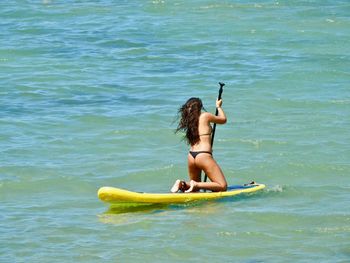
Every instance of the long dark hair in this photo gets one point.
(189, 117)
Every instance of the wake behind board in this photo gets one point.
(118, 196)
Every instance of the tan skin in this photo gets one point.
(205, 161)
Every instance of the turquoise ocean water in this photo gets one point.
(88, 96)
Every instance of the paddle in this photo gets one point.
(216, 114)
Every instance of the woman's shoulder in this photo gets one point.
(206, 116)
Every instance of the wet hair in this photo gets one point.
(189, 118)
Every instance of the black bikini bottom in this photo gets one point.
(194, 154)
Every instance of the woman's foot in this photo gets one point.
(178, 186)
(193, 187)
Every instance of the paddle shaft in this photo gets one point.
(216, 114)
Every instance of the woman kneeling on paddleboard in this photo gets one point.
(196, 125)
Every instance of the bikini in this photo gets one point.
(195, 153)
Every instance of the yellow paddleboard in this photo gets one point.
(114, 195)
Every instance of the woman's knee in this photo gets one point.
(223, 186)
(222, 181)
(219, 178)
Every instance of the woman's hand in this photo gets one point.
(218, 103)
(221, 117)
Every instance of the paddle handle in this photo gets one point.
(217, 111)
(221, 89)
